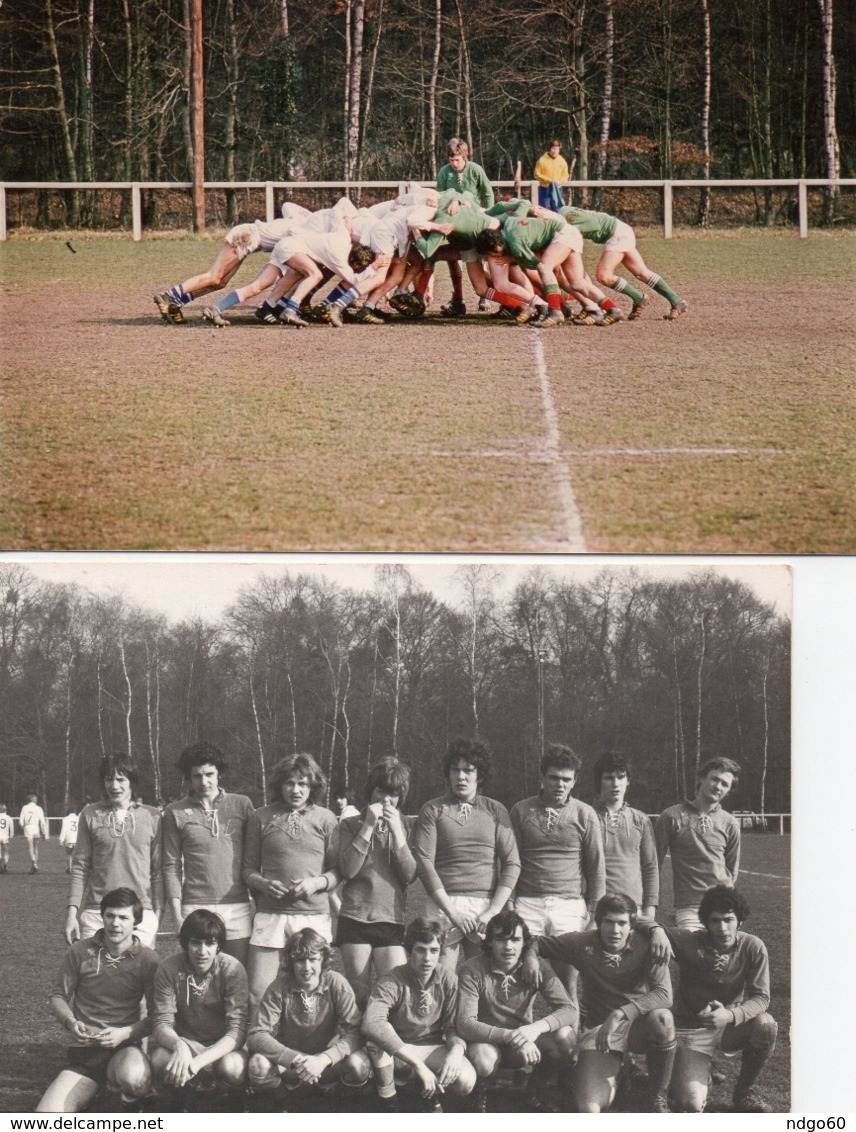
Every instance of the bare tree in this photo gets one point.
(832, 155)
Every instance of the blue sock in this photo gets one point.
(179, 295)
(347, 298)
(230, 300)
(336, 294)
(291, 305)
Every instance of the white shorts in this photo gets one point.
(272, 929)
(552, 915)
(244, 238)
(284, 249)
(623, 239)
(380, 1058)
(569, 237)
(618, 1043)
(700, 1039)
(687, 918)
(469, 255)
(33, 834)
(89, 920)
(238, 918)
(474, 905)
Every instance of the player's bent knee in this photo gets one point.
(232, 1069)
(465, 1082)
(261, 1073)
(130, 1072)
(661, 1025)
(606, 278)
(565, 1040)
(763, 1031)
(356, 1069)
(690, 1099)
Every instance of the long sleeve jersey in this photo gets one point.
(7, 828)
(68, 831)
(285, 845)
(705, 849)
(492, 1004)
(292, 1021)
(549, 169)
(739, 979)
(376, 875)
(401, 1011)
(465, 847)
(115, 852)
(561, 850)
(595, 226)
(472, 179)
(32, 820)
(203, 850)
(103, 990)
(630, 854)
(628, 980)
(204, 1009)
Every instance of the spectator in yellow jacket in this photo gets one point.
(551, 166)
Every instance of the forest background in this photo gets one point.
(670, 671)
(372, 89)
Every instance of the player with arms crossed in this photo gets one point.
(410, 1024)
(97, 997)
(496, 1010)
(627, 995)
(465, 851)
(203, 848)
(200, 1012)
(721, 1003)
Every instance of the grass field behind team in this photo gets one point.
(728, 431)
(32, 912)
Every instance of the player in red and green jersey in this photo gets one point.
(619, 247)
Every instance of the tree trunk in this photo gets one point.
(346, 108)
(704, 200)
(699, 670)
(832, 157)
(230, 126)
(606, 106)
(129, 694)
(580, 114)
(73, 214)
(370, 87)
(186, 82)
(432, 87)
(355, 87)
(259, 744)
(283, 17)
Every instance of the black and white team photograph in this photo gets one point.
(460, 836)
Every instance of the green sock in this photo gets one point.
(624, 288)
(662, 288)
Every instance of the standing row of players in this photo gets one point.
(525, 258)
(553, 859)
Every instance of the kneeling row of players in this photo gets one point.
(450, 1034)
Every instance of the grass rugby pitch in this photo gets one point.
(32, 912)
(729, 431)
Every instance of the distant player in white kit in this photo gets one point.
(68, 835)
(34, 826)
(7, 832)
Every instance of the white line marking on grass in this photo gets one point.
(571, 519)
(676, 452)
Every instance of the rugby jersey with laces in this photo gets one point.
(630, 855)
(205, 1009)
(705, 849)
(739, 978)
(376, 874)
(115, 852)
(401, 1011)
(561, 850)
(280, 844)
(628, 980)
(465, 847)
(292, 1021)
(103, 990)
(205, 848)
(493, 1003)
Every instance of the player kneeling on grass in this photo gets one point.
(308, 1027)
(627, 994)
(722, 1000)
(410, 1022)
(496, 1015)
(200, 1017)
(101, 984)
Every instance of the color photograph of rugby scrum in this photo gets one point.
(385, 275)
(395, 837)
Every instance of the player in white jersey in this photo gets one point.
(68, 835)
(239, 242)
(7, 832)
(34, 826)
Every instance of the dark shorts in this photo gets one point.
(376, 935)
(92, 1061)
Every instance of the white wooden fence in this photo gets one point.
(665, 187)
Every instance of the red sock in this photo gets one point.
(554, 300)
(505, 300)
(423, 281)
(607, 304)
